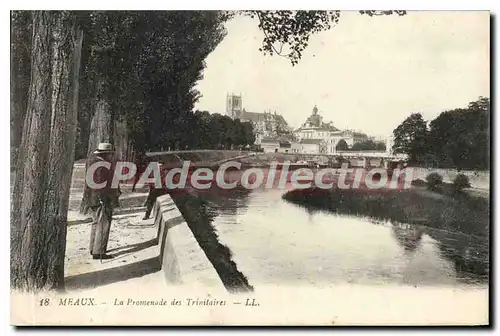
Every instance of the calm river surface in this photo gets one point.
(277, 242)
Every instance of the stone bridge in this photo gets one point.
(360, 159)
(213, 158)
(199, 158)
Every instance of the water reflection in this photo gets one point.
(231, 202)
(469, 254)
(409, 237)
(274, 241)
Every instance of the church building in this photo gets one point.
(266, 124)
(314, 128)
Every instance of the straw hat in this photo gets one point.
(104, 147)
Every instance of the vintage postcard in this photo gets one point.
(250, 168)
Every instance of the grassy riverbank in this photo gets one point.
(444, 209)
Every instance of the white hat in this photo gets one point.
(104, 147)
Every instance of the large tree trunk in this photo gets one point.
(28, 231)
(19, 77)
(65, 74)
(101, 126)
(123, 142)
(41, 192)
(101, 130)
(85, 109)
(86, 100)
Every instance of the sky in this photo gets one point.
(366, 73)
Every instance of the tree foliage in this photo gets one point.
(461, 182)
(460, 137)
(342, 145)
(215, 131)
(368, 145)
(143, 66)
(434, 181)
(410, 135)
(146, 74)
(457, 138)
(287, 33)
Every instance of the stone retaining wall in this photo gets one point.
(181, 257)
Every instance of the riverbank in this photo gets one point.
(199, 215)
(459, 212)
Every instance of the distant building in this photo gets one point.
(275, 145)
(315, 129)
(315, 136)
(352, 137)
(389, 144)
(313, 146)
(234, 105)
(270, 145)
(265, 124)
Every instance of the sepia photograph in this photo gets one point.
(250, 168)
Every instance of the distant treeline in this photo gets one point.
(366, 145)
(215, 131)
(458, 138)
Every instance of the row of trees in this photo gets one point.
(368, 145)
(82, 77)
(458, 138)
(137, 78)
(216, 131)
(360, 146)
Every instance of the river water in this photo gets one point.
(276, 242)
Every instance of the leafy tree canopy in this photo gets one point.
(458, 138)
(287, 33)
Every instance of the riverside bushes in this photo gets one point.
(461, 182)
(434, 181)
(460, 213)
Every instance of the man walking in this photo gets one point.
(154, 193)
(101, 201)
(142, 164)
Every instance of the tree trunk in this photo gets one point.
(29, 236)
(19, 77)
(86, 99)
(123, 143)
(101, 126)
(65, 74)
(101, 130)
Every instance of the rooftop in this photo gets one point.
(270, 140)
(355, 134)
(258, 116)
(315, 122)
(311, 141)
(323, 128)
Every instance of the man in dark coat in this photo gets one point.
(154, 193)
(142, 164)
(101, 201)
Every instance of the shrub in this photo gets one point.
(434, 181)
(418, 183)
(460, 182)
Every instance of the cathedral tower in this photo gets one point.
(234, 105)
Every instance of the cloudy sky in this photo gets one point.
(367, 73)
